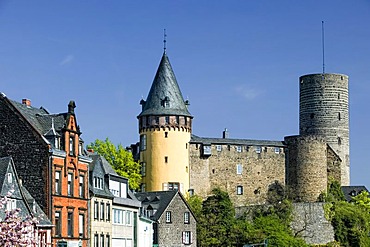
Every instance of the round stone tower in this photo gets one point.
(323, 111)
(165, 132)
(306, 171)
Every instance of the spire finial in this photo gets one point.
(164, 40)
(323, 47)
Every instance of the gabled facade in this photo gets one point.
(101, 201)
(114, 209)
(165, 131)
(19, 197)
(48, 153)
(175, 224)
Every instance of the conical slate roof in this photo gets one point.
(164, 97)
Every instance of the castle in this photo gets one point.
(172, 158)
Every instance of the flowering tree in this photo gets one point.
(15, 231)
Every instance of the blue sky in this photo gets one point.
(238, 62)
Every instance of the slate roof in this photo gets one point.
(156, 200)
(247, 142)
(25, 202)
(96, 167)
(40, 118)
(350, 191)
(164, 88)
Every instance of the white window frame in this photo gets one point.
(168, 217)
(186, 237)
(258, 149)
(239, 169)
(186, 217)
(219, 148)
(239, 149)
(277, 150)
(239, 190)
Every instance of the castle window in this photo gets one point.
(108, 212)
(173, 186)
(168, 216)
(102, 213)
(177, 119)
(143, 169)
(186, 237)
(166, 134)
(247, 148)
(219, 148)
(167, 119)
(186, 146)
(339, 141)
(339, 117)
(186, 217)
(207, 151)
(142, 142)
(10, 177)
(277, 150)
(239, 190)
(338, 95)
(165, 159)
(258, 149)
(186, 120)
(156, 120)
(147, 121)
(239, 169)
(312, 115)
(239, 149)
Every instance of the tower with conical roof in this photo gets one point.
(165, 132)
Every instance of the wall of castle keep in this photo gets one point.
(233, 166)
(306, 166)
(324, 111)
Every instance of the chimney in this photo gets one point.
(26, 102)
(225, 134)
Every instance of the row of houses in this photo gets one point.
(81, 199)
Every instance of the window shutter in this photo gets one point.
(165, 186)
(183, 238)
(191, 237)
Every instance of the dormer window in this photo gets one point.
(98, 183)
(166, 102)
(10, 178)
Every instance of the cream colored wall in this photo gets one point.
(99, 226)
(176, 148)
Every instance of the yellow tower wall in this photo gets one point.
(175, 147)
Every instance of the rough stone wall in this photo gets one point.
(259, 172)
(170, 234)
(307, 167)
(334, 165)
(323, 111)
(309, 222)
(29, 152)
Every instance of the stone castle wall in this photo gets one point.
(306, 166)
(255, 169)
(323, 111)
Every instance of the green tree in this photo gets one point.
(362, 200)
(218, 219)
(351, 224)
(120, 159)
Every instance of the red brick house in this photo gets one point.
(48, 153)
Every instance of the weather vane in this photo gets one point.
(164, 40)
